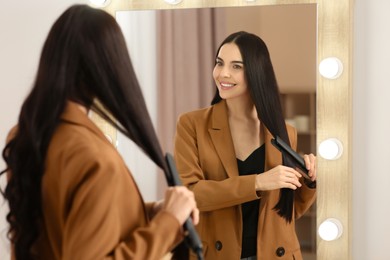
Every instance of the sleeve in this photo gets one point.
(93, 228)
(304, 196)
(216, 191)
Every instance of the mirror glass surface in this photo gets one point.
(333, 103)
(290, 32)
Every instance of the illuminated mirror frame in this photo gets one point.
(334, 105)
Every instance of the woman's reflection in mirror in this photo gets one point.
(248, 195)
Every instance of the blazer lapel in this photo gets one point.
(223, 143)
(222, 139)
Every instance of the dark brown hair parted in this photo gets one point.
(264, 92)
(84, 59)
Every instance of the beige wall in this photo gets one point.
(371, 143)
(23, 28)
(290, 38)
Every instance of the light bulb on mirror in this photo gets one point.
(331, 229)
(331, 68)
(173, 2)
(330, 149)
(99, 3)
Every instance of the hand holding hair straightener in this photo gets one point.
(192, 238)
(296, 158)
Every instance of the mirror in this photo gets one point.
(186, 40)
(334, 119)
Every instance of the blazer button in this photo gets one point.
(280, 251)
(218, 245)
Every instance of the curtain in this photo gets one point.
(186, 46)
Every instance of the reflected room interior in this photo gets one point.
(185, 45)
(329, 104)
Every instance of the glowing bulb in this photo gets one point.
(99, 3)
(331, 68)
(331, 229)
(173, 2)
(330, 149)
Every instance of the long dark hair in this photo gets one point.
(264, 91)
(84, 59)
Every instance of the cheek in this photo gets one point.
(215, 73)
(243, 80)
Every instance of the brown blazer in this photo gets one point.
(206, 161)
(92, 208)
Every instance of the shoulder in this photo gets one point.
(78, 143)
(292, 135)
(196, 117)
(78, 156)
(291, 130)
(205, 114)
(196, 114)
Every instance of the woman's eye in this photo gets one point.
(236, 66)
(218, 63)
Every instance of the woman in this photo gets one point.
(248, 195)
(69, 191)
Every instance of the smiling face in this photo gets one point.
(229, 74)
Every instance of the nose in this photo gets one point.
(225, 72)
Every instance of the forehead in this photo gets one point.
(230, 52)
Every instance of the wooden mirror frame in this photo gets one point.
(334, 105)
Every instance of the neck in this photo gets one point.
(241, 107)
(80, 107)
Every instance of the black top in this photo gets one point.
(254, 164)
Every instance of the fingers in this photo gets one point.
(290, 179)
(291, 171)
(310, 161)
(277, 178)
(180, 202)
(311, 165)
(195, 216)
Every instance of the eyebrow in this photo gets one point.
(235, 61)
